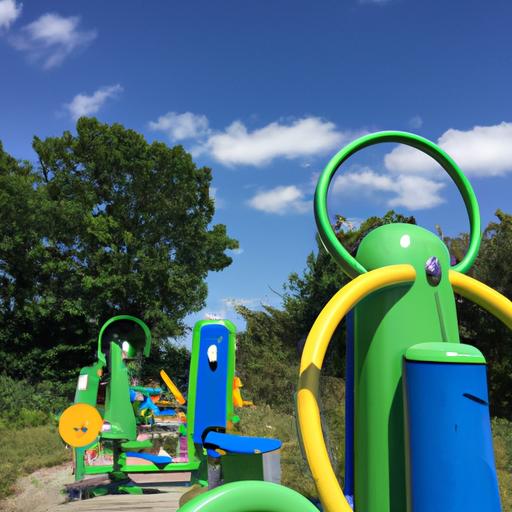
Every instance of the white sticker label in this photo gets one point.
(212, 353)
(82, 382)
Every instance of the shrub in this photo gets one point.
(26, 405)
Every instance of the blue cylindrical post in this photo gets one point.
(450, 459)
(349, 409)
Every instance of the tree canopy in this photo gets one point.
(274, 338)
(479, 328)
(104, 223)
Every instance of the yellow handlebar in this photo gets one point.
(172, 388)
(331, 494)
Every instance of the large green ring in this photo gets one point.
(347, 262)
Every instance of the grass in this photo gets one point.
(29, 436)
(502, 430)
(27, 449)
(265, 421)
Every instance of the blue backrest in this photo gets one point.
(212, 380)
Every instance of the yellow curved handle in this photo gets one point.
(331, 494)
(172, 388)
(483, 295)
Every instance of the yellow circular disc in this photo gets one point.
(80, 425)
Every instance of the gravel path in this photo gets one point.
(40, 491)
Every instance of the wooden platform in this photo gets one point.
(170, 486)
(163, 502)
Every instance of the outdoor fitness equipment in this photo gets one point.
(408, 368)
(209, 411)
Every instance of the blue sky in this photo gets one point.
(265, 93)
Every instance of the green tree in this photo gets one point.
(172, 357)
(274, 338)
(267, 360)
(494, 268)
(106, 223)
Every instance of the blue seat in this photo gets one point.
(166, 412)
(239, 444)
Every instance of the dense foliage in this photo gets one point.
(479, 328)
(104, 223)
(271, 345)
(273, 340)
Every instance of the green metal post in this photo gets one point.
(118, 408)
(387, 323)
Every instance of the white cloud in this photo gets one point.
(416, 122)
(281, 200)
(353, 223)
(52, 38)
(9, 13)
(238, 251)
(304, 137)
(236, 145)
(482, 151)
(411, 192)
(417, 193)
(233, 302)
(219, 202)
(215, 315)
(181, 126)
(84, 105)
(227, 307)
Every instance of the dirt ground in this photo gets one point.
(40, 491)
